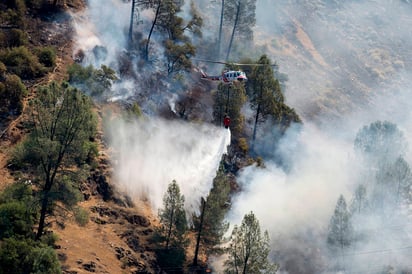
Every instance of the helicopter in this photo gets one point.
(227, 76)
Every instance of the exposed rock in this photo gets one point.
(91, 266)
(138, 220)
(128, 260)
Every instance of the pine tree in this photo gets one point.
(166, 20)
(63, 123)
(340, 233)
(173, 217)
(359, 202)
(211, 224)
(249, 249)
(380, 143)
(392, 188)
(242, 14)
(265, 94)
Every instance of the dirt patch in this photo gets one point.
(112, 242)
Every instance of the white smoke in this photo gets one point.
(150, 153)
(102, 24)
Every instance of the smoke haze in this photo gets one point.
(348, 65)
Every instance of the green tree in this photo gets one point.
(18, 211)
(229, 99)
(249, 249)
(46, 56)
(22, 62)
(178, 56)
(242, 14)
(63, 122)
(95, 82)
(12, 93)
(392, 187)
(265, 94)
(340, 232)
(173, 217)
(27, 256)
(166, 20)
(380, 143)
(211, 225)
(360, 203)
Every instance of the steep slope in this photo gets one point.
(338, 56)
(115, 238)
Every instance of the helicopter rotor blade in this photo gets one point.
(236, 64)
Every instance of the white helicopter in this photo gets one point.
(227, 76)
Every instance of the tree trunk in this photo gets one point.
(220, 29)
(170, 228)
(259, 101)
(233, 31)
(245, 265)
(43, 212)
(256, 122)
(146, 53)
(199, 232)
(131, 22)
(44, 204)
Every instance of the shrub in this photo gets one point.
(27, 256)
(22, 155)
(92, 81)
(45, 261)
(172, 259)
(16, 38)
(22, 62)
(3, 70)
(243, 145)
(12, 93)
(81, 216)
(17, 211)
(13, 12)
(14, 220)
(47, 56)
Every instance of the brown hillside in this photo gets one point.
(115, 238)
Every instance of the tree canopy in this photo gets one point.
(62, 125)
(249, 249)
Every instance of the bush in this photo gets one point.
(13, 12)
(12, 93)
(92, 81)
(172, 259)
(81, 216)
(67, 191)
(15, 220)
(22, 62)
(16, 38)
(47, 56)
(243, 145)
(21, 156)
(3, 70)
(27, 256)
(45, 261)
(17, 211)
